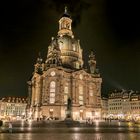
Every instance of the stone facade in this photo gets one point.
(62, 77)
(13, 108)
(124, 104)
(104, 104)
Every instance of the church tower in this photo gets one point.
(65, 24)
(71, 52)
(60, 82)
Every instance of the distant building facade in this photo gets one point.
(104, 104)
(124, 104)
(62, 77)
(13, 108)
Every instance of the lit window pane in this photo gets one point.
(81, 102)
(52, 84)
(52, 100)
(80, 89)
(52, 95)
(74, 48)
(65, 99)
(91, 92)
(80, 97)
(66, 90)
(52, 90)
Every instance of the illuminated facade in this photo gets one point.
(124, 105)
(13, 108)
(104, 104)
(62, 76)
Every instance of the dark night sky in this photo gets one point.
(109, 27)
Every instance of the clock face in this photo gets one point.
(81, 76)
(52, 73)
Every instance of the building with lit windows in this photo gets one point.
(104, 104)
(124, 104)
(13, 108)
(62, 76)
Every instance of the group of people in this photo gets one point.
(89, 121)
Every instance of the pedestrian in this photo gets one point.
(10, 127)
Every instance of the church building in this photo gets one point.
(62, 78)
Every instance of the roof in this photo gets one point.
(14, 99)
(66, 14)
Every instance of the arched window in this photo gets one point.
(73, 47)
(90, 90)
(66, 91)
(52, 92)
(77, 65)
(81, 99)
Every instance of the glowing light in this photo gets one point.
(22, 123)
(76, 113)
(97, 113)
(30, 124)
(96, 123)
(88, 114)
(51, 110)
(76, 128)
(119, 123)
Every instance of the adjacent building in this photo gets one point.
(124, 104)
(104, 104)
(62, 76)
(13, 108)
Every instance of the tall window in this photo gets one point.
(73, 46)
(81, 99)
(66, 91)
(90, 90)
(52, 92)
(77, 65)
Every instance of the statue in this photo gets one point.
(69, 104)
(92, 63)
(55, 44)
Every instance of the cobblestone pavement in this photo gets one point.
(69, 136)
(53, 131)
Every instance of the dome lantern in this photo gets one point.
(65, 24)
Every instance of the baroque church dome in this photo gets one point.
(68, 48)
(60, 87)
